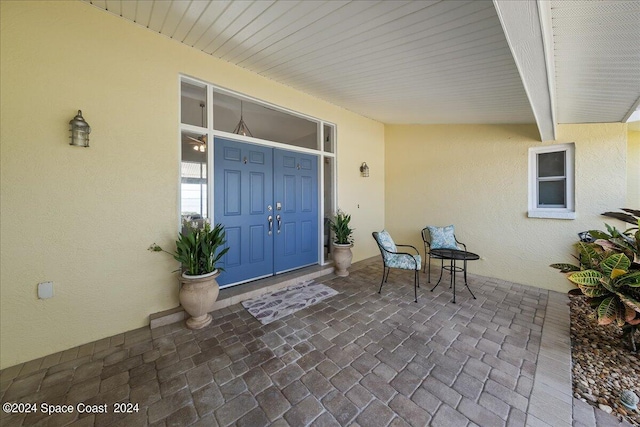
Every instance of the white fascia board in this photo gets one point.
(523, 28)
(633, 114)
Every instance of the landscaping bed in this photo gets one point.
(602, 363)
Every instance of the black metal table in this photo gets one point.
(454, 255)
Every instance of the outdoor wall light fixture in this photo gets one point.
(364, 170)
(586, 237)
(80, 131)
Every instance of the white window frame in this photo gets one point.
(566, 212)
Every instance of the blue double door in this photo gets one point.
(267, 199)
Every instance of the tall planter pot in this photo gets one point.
(342, 257)
(197, 295)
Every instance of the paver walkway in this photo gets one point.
(358, 358)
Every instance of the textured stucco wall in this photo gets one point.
(475, 177)
(83, 218)
(633, 170)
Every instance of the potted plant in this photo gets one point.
(198, 249)
(342, 243)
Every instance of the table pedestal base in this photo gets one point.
(453, 269)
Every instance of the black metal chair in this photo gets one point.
(391, 258)
(426, 239)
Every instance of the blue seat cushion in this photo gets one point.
(406, 262)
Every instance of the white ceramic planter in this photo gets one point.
(197, 295)
(342, 257)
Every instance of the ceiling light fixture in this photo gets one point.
(242, 128)
(200, 143)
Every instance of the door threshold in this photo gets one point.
(236, 294)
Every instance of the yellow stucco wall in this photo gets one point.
(83, 218)
(475, 177)
(633, 170)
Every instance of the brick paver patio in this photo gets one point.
(358, 358)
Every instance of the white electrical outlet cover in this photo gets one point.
(45, 290)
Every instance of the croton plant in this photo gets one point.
(609, 273)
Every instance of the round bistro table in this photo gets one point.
(454, 255)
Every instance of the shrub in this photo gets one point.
(609, 273)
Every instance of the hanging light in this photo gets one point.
(201, 142)
(242, 128)
(80, 131)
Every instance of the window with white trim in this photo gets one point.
(551, 181)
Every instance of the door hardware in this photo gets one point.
(270, 219)
(278, 206)
(269, 208)
(279, 222)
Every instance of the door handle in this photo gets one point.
(279, 222)
(270, 219)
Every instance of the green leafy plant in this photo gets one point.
(628, 241)
(608, 274)
(198, 247)
(339, 224)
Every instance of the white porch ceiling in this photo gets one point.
(427, 61)
(597, 59)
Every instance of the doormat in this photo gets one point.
(276, 305)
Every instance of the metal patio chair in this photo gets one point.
(428, 256)
(394, 259)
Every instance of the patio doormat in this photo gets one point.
(276, 305)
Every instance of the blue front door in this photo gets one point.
(267, 199)
(296, 197)
(243, 191)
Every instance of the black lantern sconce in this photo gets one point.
(586, 237)
(364, 170)
(80, 131)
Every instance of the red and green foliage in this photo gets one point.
(609, 273)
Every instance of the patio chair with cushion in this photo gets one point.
(394, 259)
(438, 238)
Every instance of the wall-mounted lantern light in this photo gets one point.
(364, 170)
(80, 131)
(586, 237)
